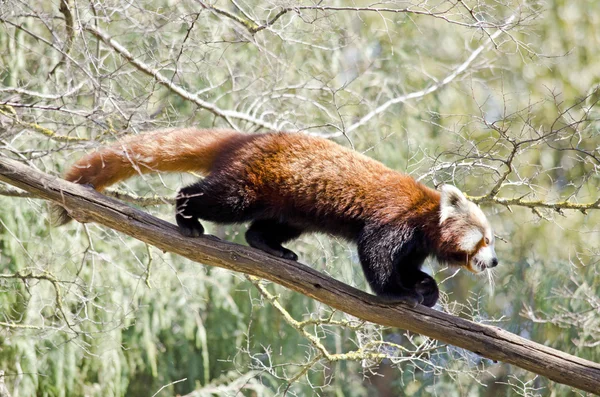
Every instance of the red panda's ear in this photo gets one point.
(453, 202)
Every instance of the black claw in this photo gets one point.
(430, 300)
(188, 232)
(428, 290)
(412, 300)
(287, 254)
(410, 297)
(189, 227)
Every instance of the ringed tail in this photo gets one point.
(176, 150)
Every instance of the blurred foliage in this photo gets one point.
(86, 311)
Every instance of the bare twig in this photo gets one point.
(228, 115)
(434, 87)
(253, 27)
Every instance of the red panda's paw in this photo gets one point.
(428, 290)
(256, 237)
(431, 299)
(288, 254)
(278, 251)
(189, 226)
(412, 298)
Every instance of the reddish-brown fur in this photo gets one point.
(166, 151)
(312, 173)
(289, 184)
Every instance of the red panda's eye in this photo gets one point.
(487, 240)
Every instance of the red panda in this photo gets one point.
(287, 184)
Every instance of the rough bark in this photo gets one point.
(87, 205)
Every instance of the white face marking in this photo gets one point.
(485, 257)
(454, 204)
(485, 254)
(478, 215)
(470, 240)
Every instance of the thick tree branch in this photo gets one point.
(491, 342)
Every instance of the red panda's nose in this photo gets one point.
(494, 262)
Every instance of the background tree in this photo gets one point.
(496, 97)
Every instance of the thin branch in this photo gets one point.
(168, 385)
(45, 107)
(419, 94)
(254, 27)
(12, 114)
(47, 276)
(228, 115)
(289, 319)
(65, 9)
(248, 24)
(557, 206)
(35, 94)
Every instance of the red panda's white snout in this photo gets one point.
(485, 258)
(468, 230)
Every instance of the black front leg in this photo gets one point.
(424, 285)
(391, 259)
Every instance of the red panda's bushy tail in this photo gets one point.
(177, 150)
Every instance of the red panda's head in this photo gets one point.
(466, 236)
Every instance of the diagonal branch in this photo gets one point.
(488, 341)
(228, 115)
(254, 27)
(434, 87)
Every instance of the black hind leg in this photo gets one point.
(268, 235)
(214, 202)
(186, 215)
